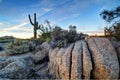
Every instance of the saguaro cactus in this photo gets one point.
(35, 24)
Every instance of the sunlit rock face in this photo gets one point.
(73, 62)
(105, 59)
(95, 58)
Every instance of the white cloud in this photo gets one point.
(1, 24)
(22, 35)
(47, 9)
(22, 32)
(16, 27)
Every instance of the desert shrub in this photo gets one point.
(59, 37)
(19, 47)
(44, 37)
(45, 32)
(63, 38)
(48, 39)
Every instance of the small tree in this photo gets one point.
(110, 16)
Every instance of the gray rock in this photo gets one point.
(105, 59)
(46, 46)
(38, 56)
(17, 69)
(42, 53)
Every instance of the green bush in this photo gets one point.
(44, 37)
(64, 37)
(19, 47)
(48, 39)
(59, 37)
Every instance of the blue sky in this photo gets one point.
(82, 13)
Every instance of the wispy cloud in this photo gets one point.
(16, 27)
(19, 31)
(1, 24)
(22, 35)
(47, 9)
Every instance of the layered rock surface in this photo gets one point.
(95, 59)
(67, 63)
(104, 57)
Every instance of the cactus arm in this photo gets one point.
(30, 20)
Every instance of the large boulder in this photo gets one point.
(15, 70)
(42, 54)
(60, 62)
(116, 45)
(46, 46)
(87, 62)
(95, 58)
(104, 57)
(52, 65)
(81, 61)
(16, 67)
(67, 62)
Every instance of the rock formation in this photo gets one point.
(96, 59)
(104, 57)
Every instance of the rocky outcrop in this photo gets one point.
(116, 45)
(87, 62)
(95, 59)
(81, 61)
(104, 59)
(60, 62)
(67, 63)
(53, 66)
(42, 54)
(46, 46)
(16, 70)
(16, 67)
(40, 57)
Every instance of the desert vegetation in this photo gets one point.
(56, 53)
(112, 16)
(19, 47)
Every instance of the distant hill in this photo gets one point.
(5, 39)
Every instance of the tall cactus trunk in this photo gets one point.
(35, 24)
(35, 32)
